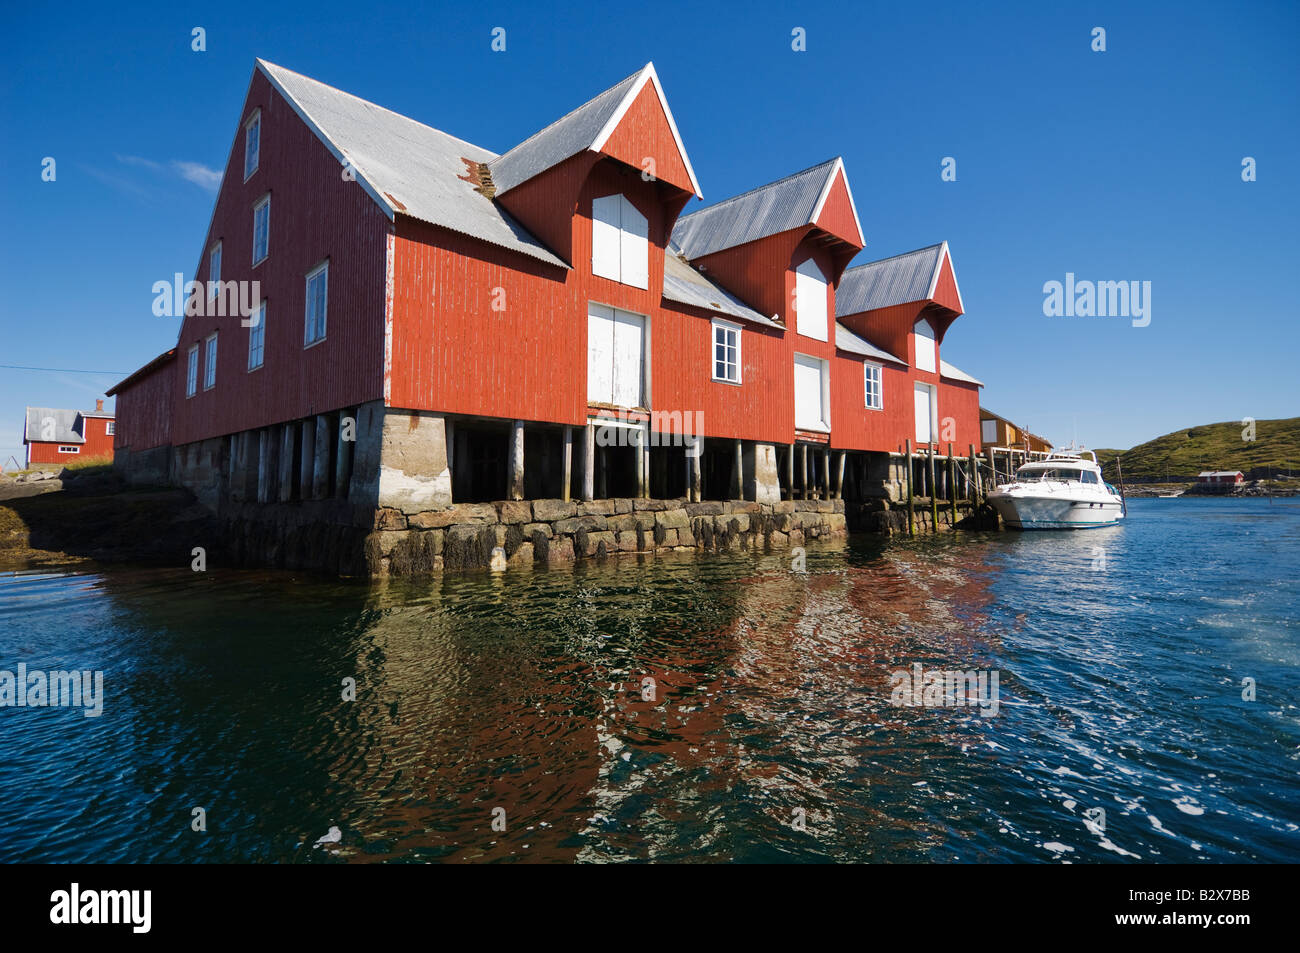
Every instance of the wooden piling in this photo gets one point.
(934, 497)
(911, 504)
(952, 484)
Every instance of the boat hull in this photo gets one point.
(1031, 512)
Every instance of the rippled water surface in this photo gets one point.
(1120, 654)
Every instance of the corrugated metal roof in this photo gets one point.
(685, 285)
(768, 210)
(406, 166)
(563, 138)
(65, 424)
(846, 340)
(587, 127)
(956, 374)
(1218, 473)
(901, 279)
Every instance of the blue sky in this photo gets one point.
(1122, 165)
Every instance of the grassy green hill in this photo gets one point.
(1180, 455)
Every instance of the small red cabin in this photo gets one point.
(55, 436)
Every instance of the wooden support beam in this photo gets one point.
(568, 464)
(974, 478)
(839, 475)
(803, 464)
(286, 461)
(516, 466)
(789, 472)
(589, 463)
(738, 478)
(952, 484)
(911, 503)
(694, 482)
(934, 497)
(642, 451)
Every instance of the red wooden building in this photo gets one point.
(438, 323)
(54, 436)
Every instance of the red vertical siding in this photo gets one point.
(144, 410)
(315, 214)
(945, 289)
(837, 214)
(454, 352)
(644, 133)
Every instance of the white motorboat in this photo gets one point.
(1064, 491)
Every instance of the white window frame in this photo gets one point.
(214, 270)
(210, 361)
(257, 337)
(110, 428)
(727, 328)
(876, 372)
(254, 121)
(263, 203)
(308, 325)
(627, 259)
(817, 325)
(70, 449)
(192, 371)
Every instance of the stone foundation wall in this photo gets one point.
(337, 537)
(144, 467)
(529, 532)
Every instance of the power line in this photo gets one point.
(58, 370)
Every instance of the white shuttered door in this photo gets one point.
(620, 241)
(925, 346)
(808, 392)
(629, 333)
(600, 354)
(605, 253)
(615, 356)
(810, 301)
(923, 412)
(635, 247)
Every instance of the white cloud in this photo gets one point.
(137, 160)
(198, 173)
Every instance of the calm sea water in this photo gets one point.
(770, 736)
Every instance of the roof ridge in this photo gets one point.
(575, 109)
(369, 102)
(757, 188)
(881, 261)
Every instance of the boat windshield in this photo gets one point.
(1045, 474)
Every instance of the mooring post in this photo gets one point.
(974, 479)
(911, 504)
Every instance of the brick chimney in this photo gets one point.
(99, 406)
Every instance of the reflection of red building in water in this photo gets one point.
(479, 315)
(55, 436)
